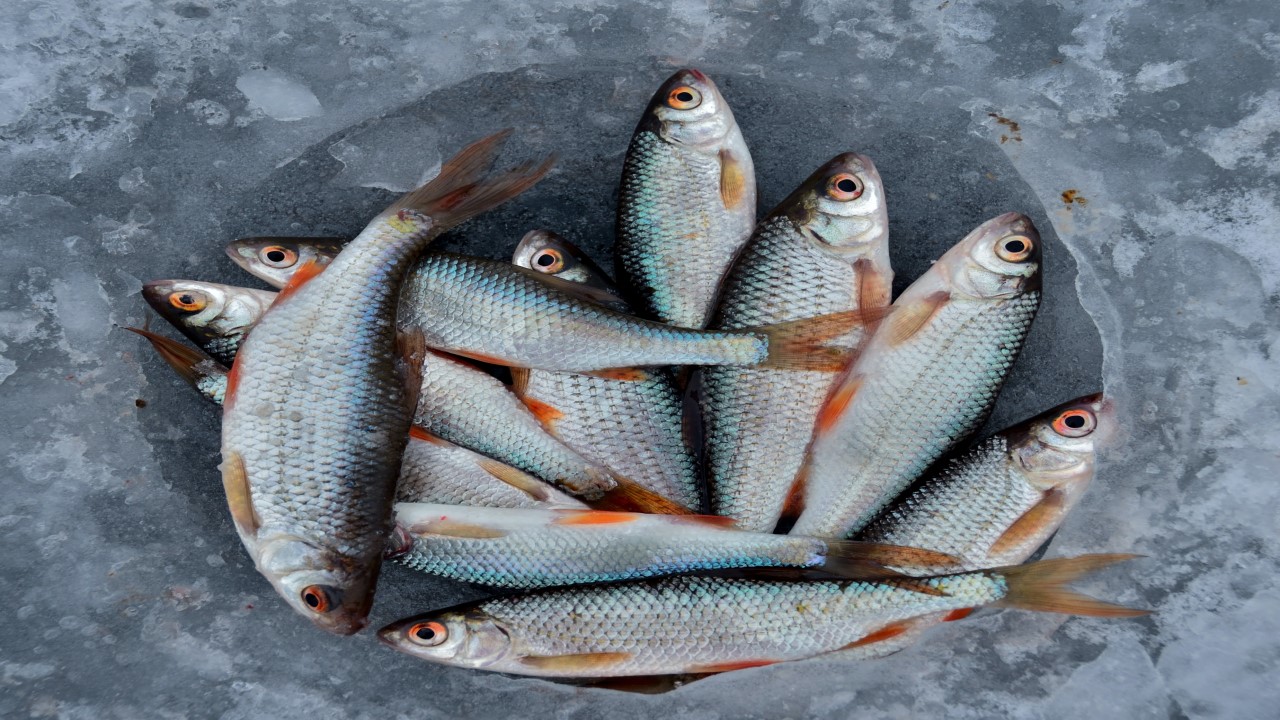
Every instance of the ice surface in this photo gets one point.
(140, 137)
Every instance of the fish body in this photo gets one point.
(214, 316)
(636, 428)
(275, 259)
(925, 380)
(690, 624)
(822, 250)
(320, 399)
(686, 203)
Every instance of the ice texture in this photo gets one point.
(138, 138)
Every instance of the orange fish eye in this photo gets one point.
(428, 633)
(1075, 423)
(684, 98)
(1014, 248)
(845, 187)
(548, 261)
(318, 598)
(188, 300)
(277, 256)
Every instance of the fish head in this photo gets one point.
(463, 638)
(333, 591)
(207, 311)
(276, 259)
(689, 110)
(841, 207)
(545, 252)
(1057, 450)
(1001, 258)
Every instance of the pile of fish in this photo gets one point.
(741, 454)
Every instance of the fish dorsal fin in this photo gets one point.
(235, 483)
(733, 180)
(905, 321)
(447, 527)
(519, 381)
(1045, 513)
(579, 663)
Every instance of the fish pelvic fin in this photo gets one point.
(460, 191)
(802, 344)
(1041, 586)
(874, 561)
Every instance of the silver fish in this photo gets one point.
(214, 316)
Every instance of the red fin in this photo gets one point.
(873, 287)
(1041, 586)
(794, 504)
(417, 432)
(546, 414)
(960, 614)
(519, 381)
(516, 478)
(627, 374)
(835, 406)
(884, 633)
(453, 528)
(629, 496)
(1034, 522)
(233, 382)
(593, 517)
(800, 344)
(905, 321)
(733, 180)
(731, 666)
(305, 273)
(581, 663)
(715, 521)
(235, 483)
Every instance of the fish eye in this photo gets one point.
(277, 256)
(188, 300)
(1014, 248)
(1075, 423)
(549, 261)
(684, 98)
(844, 187)
(429, 634)
(319, 598)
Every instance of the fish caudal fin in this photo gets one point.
(1041, 586)
(630, 496)
(869, 561)
(460, 191)
(802, 344)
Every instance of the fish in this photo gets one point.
(275, 259)
(527, 549)
(692, 624)
(501, 314)
(824, 249)
(925, 380)
(432, 469)
(634, 428)
(321, 396)
(686, 202)
(216, 317)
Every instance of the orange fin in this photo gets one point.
(1041, 586)
(873, 287)
(417, 432)
(800, 344)
(794, 504)
(629, 496)
(452, 528)
(305, 273)
(235, 482)
(731, 666)
(715, 521)
(960, 614)
(593, 517)
(627, 374)
(833, 409)
(516, 478)
(1043, 515)
(733, 179)
(519, 381)
(869, 561)
(178, 356)
(585, 663)
(460, 191)
(885, 633)
(233, 382)
(904, 322)
(546, 414)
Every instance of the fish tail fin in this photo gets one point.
(802, 344)
(181, 358)
(1041, 586)
(461, 191)
(630, 496)
(870, 561)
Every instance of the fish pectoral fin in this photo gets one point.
(1046, 512)
(305, 273)
(833, 409)
(730, 666)
(235, 483)
(516, 478)
(733, 179)
(874, 288)
(452, 528)
(624, 374)
(801, 344)
(905, 321)
(585, 663)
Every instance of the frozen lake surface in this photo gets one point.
(140, 137)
